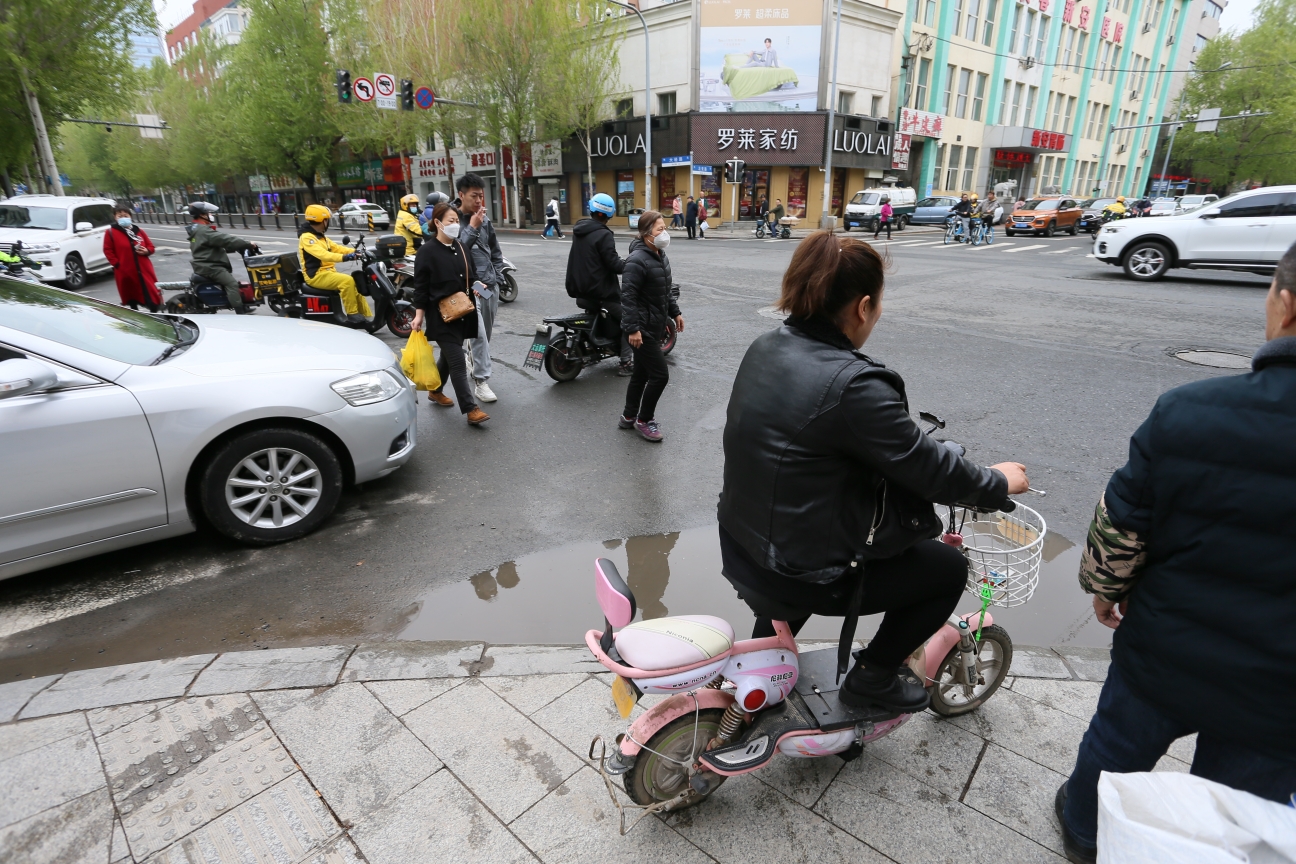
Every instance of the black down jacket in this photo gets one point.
(823, 464)
(1209, 488)
(593, 263)
(646, 295)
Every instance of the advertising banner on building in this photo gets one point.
(900, 151)
(758, 58)
(924, 123)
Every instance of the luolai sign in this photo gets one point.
(617, 145)
(864, 143)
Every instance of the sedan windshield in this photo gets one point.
(865, 198)
(1041, 204)
(100, 328)
(48, 218)
(374, 207)
(1096, 203)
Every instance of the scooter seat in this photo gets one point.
(574, 318)
(669, 643)
(317, 292)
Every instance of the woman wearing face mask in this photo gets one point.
(442, 268)
(647, 303)
(128, 249)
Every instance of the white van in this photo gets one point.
(862, 211)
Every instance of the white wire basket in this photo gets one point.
(1004, 552)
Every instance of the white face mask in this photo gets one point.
(661, 241)
(451, 230)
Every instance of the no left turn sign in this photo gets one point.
(363, 89)
(384, 84)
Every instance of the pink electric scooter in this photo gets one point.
(731, 707)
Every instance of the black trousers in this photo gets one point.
(880, 226)
(917, 589)
(451, 365)
(614, 314)
(692, 230)
(648, 381)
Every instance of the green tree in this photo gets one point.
(585, 84)
(1262, 77)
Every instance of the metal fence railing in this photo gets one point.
(261, 221)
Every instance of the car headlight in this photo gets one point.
(40, 248)
(1111, 229)
(368, 388)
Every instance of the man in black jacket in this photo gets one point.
(593, 266)
(1191, 558)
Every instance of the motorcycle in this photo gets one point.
(201, 296)
(583, 339)
(1096, 226)
(279, 279)
(14, 263)
(776, 231)
(731, 707)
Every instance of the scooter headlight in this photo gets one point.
(368, 388)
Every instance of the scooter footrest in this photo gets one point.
(817, 687)
(760, 742)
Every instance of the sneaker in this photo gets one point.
(477, 416)
(648, 430)
(898, 690)
(483, 392)
(436, 397)
(1075, 851)
(625, 370)
(625, 422)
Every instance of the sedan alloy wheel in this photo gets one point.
(273, 488)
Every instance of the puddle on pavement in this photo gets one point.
(548, 597)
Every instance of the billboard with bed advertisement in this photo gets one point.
(760, 58)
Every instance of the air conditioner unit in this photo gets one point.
(1144, 154)
(1170, 41)
(1133, 94)
(1147, 26)
(1122, 148)
(1027, 62)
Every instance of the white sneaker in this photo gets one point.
(483, 392)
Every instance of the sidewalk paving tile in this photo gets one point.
(272, 669)
(745, 814)
(76, 831)
(353, 750)
(530, 693)
(1184, 748)
(802, 780)
(117, 685)
(577, 823)
(120, 849)
(506, 760)
(1090, 664)
(1018, 793)
(402, 697)
(538, 660)
(462, 832)
(285, 824)
(388, 661)
(583, 712)
(18, 738)
(48, 776)
(1031, 662)
(930, 750)
(1027, 728)
(275, 702)
(105, 720)
(912, 823)
(1077, 698)
(16, 694)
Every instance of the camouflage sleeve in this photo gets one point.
(1112, 559)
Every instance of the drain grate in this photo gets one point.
(1214, 359)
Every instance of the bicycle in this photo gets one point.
(982, 232)
(954, 231)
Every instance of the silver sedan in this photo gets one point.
(120, 427)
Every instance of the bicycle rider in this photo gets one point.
(963, 210)
(987, 213)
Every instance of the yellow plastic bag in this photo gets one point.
(418, 364)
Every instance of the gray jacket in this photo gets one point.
(488, 260)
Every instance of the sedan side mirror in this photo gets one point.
(1212, 215)
(82, 226)
(20, 377)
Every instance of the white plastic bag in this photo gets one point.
(1169, 817)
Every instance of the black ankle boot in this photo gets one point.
(893, 689)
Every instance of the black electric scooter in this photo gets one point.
(581, 340)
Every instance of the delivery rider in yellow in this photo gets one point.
(317, 256)
(408, 225)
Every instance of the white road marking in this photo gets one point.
(516, 243)
(993, 245)
(1025, 248)
(1056, 251)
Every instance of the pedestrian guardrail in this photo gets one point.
(281, 221)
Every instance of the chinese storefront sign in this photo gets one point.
(924, 123)
(546, 158)
(1105, 30)
(1048, 140)
(1084, 17)
(1011, 157)
(769, 139)
(759, 139)
(1118, 32)
(1068, 11)
(900, 151)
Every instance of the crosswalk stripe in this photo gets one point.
(992, 245)
(1026, 248)
(1056, 251)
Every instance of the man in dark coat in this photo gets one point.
(690, 218)
(1191, 559)
(593, 266)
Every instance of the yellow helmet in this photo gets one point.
(974, 196)
(318, 213)
(1120, 198)
(409, 201)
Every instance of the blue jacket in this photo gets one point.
(1210, 488)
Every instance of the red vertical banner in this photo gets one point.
(1119, 31)
(1105, 32)
(1068, 11)
(1084, 17)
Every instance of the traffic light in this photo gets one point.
(734, 169)
(344, 86)
(407, 95)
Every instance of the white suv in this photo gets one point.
(65, 234)
(1248, 231)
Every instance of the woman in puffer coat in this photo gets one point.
(647, 303)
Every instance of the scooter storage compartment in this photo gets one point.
(389, 248)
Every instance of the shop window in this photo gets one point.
(845, 102)
(625, 192)
(666, 103)
(978, 96)
(798, 191)
(624, 109)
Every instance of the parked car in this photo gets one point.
(1045, 216)
(863, 209)
(1165, 207)
(933, 211)
(1248, 231)
(1091, 211)
(1192, 202)
(356, 214)
(64, 234)
(119, 427)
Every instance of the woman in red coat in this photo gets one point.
(127, 249)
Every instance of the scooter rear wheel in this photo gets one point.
(508, 289)
(672, 336)
(949, 698)
(558, 366)
(654, 778)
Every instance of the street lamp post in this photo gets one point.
(647, 106)
(1165, 165)
(832, 106)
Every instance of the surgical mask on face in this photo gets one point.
(661, 241)
(124, 221)
(451, 230)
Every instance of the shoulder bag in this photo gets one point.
(458, 304)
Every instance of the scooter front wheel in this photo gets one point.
(401, 322)
(950, 697)
(661, 770)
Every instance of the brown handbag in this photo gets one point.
(458, 304)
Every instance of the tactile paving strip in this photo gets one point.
(178, 768)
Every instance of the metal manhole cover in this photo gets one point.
(1216, 359)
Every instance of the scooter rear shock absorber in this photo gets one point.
(730, 725)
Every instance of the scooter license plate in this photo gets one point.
(625, 695)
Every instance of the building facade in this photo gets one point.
(223, 19)
(145, 45)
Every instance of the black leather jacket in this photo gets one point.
(824, 465)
